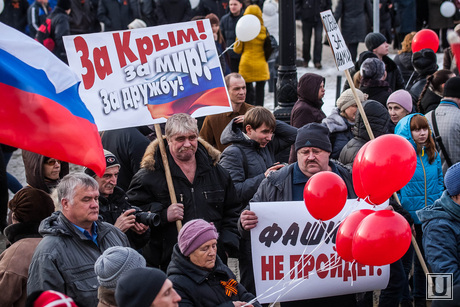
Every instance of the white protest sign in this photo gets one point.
(341, 53)
(294, 255)
(142, 76)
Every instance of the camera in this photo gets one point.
(146, 218)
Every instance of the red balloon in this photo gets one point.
(347, 228)
(357, 185)
(325, 194)
(382, 237)
(425, 39)
(386, 166)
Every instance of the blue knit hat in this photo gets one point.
(452, 179)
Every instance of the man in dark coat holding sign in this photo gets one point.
(313, 149)
(203, 189)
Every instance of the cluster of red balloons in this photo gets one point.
(373, 237)
(382, 167)
(425, 39)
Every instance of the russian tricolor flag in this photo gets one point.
(41, 110)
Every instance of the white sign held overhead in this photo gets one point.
(340, 50)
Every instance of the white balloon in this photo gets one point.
(447, 9)
(2, 5)
(247, 28)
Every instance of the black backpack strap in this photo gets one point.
(438, 138)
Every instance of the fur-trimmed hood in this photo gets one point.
(149, 158)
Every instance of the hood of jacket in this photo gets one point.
(33, 166)
(255, 10)
(443, 208)
(336, 122)
(181, 265)
(270, 8)
(403, 129)
(378, 117)
(151, 159)
(308, 88)
(233, 133)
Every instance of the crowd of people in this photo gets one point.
(125, 239)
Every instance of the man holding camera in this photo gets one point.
(114, 207)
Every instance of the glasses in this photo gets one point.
(52, 162)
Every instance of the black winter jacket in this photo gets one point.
(128, 145)
(376, 90)
(60, 27)
(404, 63)
(173, 11)
(246, 161)
(380, 123)
(64, 259)
(211, 197)
(227, 27)
(394, 76)
(117, 15)
(112, 207)
(201, 288)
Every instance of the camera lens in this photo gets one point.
(147, 218)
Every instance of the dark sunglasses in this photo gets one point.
(52, 162)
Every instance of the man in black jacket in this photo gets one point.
(203, 189)
(308, 12)
(227, 27)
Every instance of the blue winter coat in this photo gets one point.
(426, 185)
(441, 236)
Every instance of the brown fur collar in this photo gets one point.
(148, 161)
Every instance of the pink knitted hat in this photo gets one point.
(403, 98)
(194, 234)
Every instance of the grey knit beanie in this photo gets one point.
(114, 262)
(374, 40)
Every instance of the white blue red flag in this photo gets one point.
(41, 110)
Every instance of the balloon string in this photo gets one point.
(228, 48)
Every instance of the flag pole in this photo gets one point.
(164, 157)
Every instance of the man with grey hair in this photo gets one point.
(73, 240)
(203, 189)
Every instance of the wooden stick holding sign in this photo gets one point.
(342, 57)
(164, 157)
(343, 62)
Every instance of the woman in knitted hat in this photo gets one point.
(373, 80)
(342, 119)
(198, 274)
(399, 104)
(425, 186)
(29, 207)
